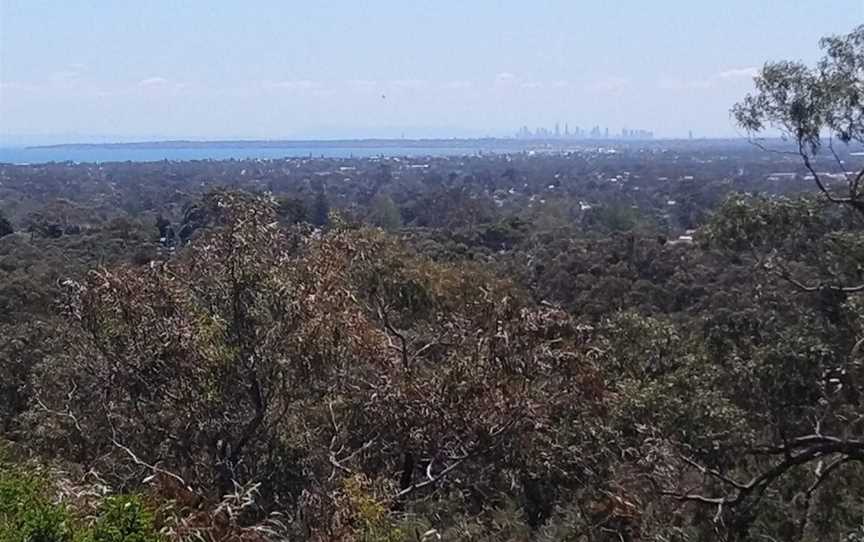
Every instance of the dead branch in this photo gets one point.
(138, 461)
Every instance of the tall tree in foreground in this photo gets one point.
(786, 476)
(815, 107)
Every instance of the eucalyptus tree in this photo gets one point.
(791, 473)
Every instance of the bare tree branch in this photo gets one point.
(138, 461)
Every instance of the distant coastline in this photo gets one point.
(240, 149)
(368, 143)
(276, 144)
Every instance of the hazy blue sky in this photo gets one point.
(319, 68)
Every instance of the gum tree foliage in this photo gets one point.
(297, 361)
(782, 471)
(814, 107)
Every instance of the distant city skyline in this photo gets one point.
(577, 132)
(95, 70)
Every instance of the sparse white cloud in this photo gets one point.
(719, 78)
(151, 82)
(458, 85)
(738, 73)
(608, 85)
(532, 85)
(302, 84)
(674, 83)
(363, 84)
(505, 77)
(13, 85)
(409, 84)
(151, 85)
(64, 75)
